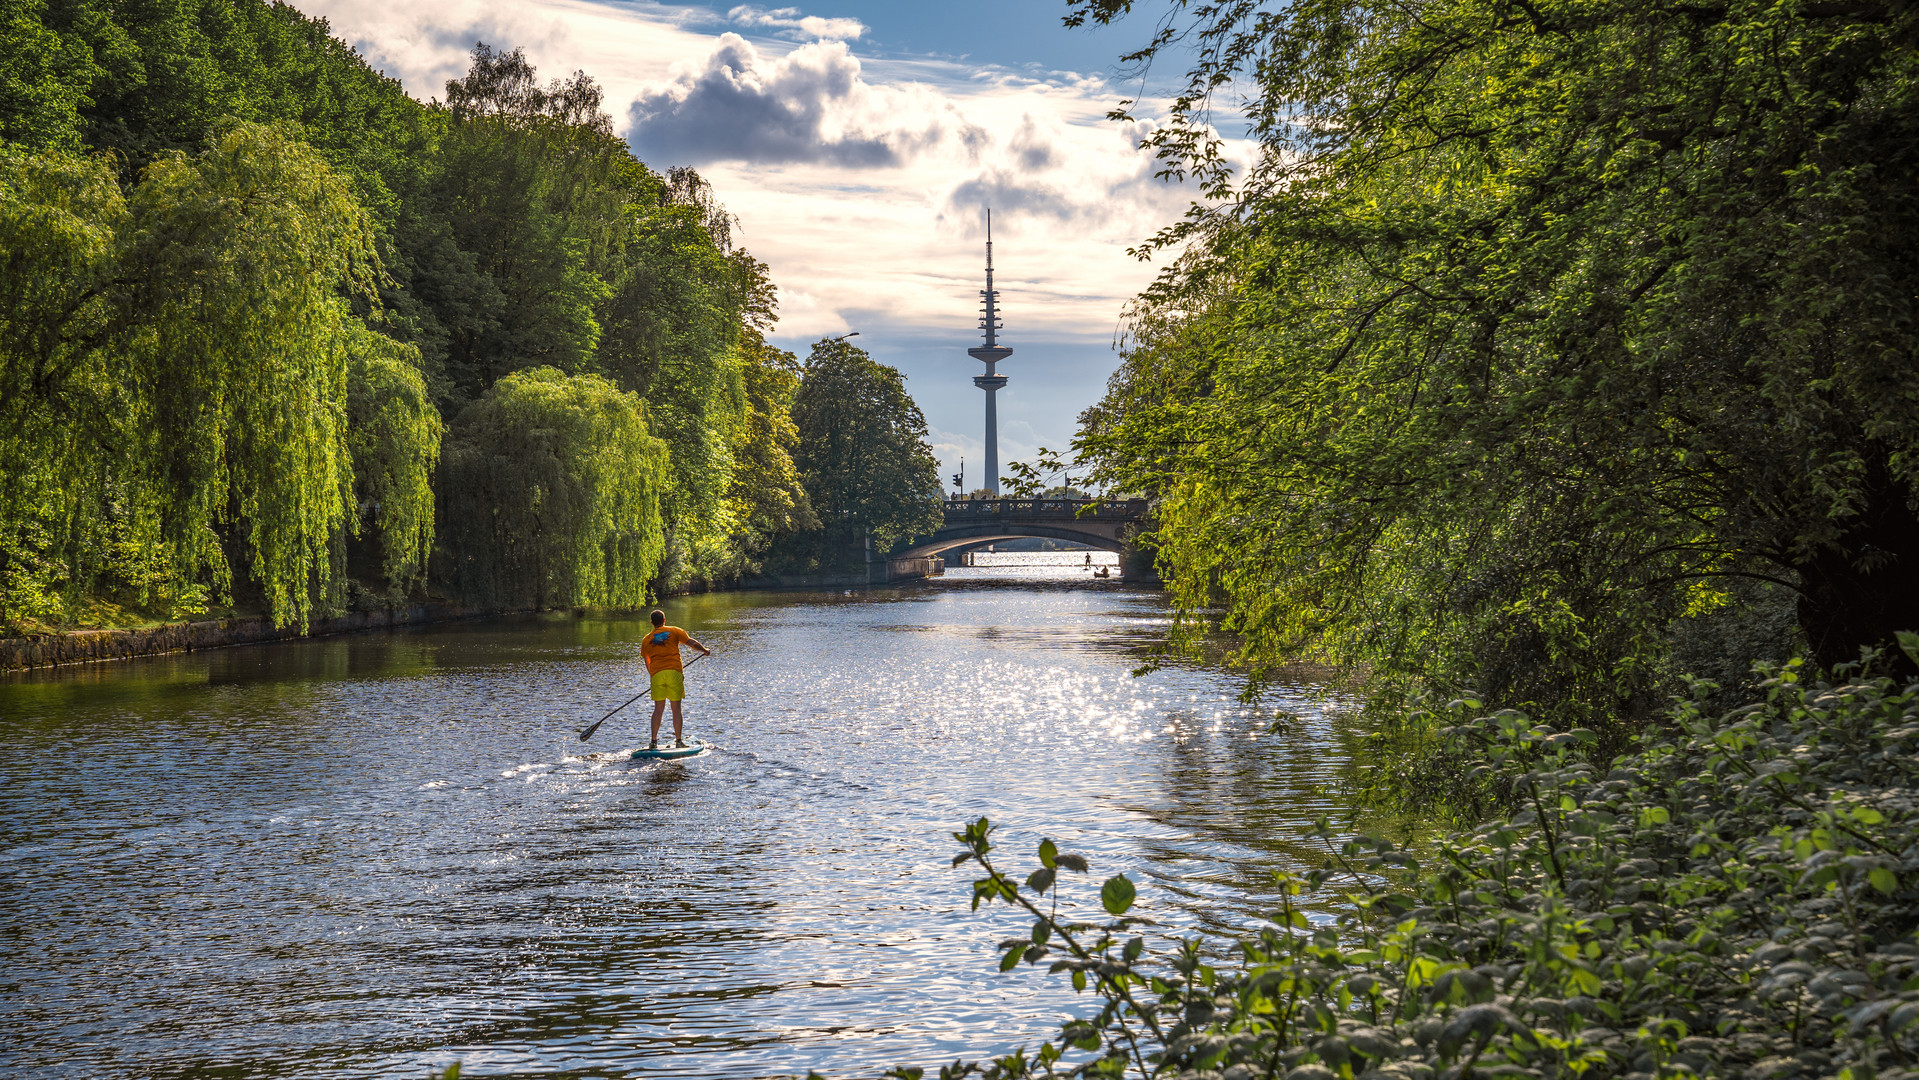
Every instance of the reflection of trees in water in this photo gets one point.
(1233, 807)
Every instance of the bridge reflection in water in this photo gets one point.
(1104, 524)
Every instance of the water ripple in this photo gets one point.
(371, 856)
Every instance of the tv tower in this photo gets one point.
(992, 353)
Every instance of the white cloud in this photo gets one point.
(423, 45)
(810, 105)
(790, 23)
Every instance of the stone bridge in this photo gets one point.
(1106, 524)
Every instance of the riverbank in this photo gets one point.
(93, 646)
(878, 572)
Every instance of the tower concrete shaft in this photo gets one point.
(990, 355)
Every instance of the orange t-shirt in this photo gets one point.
(661, 649)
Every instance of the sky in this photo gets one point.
(860, 144)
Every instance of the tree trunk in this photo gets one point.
(1863, 590)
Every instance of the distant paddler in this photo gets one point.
(661, 651)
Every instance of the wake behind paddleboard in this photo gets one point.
(691, 748)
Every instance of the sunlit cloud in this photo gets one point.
(809, 105)
(788, 22)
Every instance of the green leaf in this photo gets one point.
(1068, 861)
(1909, 644)
(1010, 960)
(1884, 880)
(1048, 853)
(1116, 896)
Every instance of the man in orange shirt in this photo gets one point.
(661, 651)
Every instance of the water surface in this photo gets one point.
(374, 855)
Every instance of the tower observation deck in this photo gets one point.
(990, 354)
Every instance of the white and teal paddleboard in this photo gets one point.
(692, 747)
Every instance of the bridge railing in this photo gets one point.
(1061, 509)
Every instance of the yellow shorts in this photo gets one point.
(669, 685)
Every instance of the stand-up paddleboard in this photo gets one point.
(692, 747)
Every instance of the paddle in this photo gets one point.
(595, 726)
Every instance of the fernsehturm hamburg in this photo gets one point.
(990, 355)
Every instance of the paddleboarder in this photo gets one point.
(661, 651)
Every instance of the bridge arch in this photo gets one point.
(972, 534)
(1102, 524)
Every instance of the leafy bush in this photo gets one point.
(1736, 899)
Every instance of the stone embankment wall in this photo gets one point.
(86, 646)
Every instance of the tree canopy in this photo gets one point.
(1538, 334)
(247, 282)
(175, 365)
(863, 455)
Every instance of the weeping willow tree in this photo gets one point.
(174, 373)
(550, 495)
(395, 432)
(60, 220)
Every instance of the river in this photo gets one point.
(374, 855)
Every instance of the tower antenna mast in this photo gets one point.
(990, 355)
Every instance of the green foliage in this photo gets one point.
(680, 332)
(147, 79)
(44, 79)
(515, 231)
(1737, 900)
(767, 497)
(257, 325)
(863, 454)
(538, 239)
(1533, 325)
(523, 185)
(1047, 476)
(175, 370)
(550, 494)
(394, 432)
